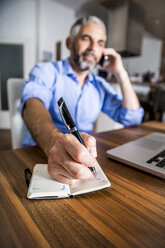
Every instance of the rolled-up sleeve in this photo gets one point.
(130, 117)
(40, 84)
(112, 106)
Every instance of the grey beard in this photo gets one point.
(81, 62)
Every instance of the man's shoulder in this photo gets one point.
(46, 71)
(52, 66)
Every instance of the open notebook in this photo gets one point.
(42, 186)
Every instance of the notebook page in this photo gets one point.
(91, 184)
(42, 185)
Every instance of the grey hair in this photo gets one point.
(83, 21)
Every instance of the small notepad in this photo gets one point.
(42, 186)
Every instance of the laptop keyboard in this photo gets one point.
(161, 164)
(159, 159)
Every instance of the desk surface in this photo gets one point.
(129, 214)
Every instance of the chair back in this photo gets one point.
(14, 90)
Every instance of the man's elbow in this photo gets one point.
(133, 119)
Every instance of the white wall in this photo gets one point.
(150, 59)
(54, 26)
(38, 25)
(17, 25)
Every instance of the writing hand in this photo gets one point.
(69, 159)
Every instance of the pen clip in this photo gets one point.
(61, 113)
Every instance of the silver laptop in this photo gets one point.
(146, 153)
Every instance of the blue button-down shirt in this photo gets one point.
(51, 80)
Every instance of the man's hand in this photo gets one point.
(69, 159)
(115, 65)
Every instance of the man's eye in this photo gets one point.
(85, 38)
(101, 44)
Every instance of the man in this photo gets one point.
(85, 95)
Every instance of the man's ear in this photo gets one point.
(68, 43)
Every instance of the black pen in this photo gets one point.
(69, 123)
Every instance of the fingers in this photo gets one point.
(59, 173)
(67, 166)
(69, 159)
(115, 65)
(78, 151)
(90, 143)
(113, 55)
(111, 51)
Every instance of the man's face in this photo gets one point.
(87, 47)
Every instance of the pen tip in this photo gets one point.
(93, 169)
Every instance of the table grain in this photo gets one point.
(129, 214)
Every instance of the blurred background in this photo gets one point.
(35, 30)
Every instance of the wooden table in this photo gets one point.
(154, 125)
(129, 214)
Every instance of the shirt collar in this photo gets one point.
(68, 70)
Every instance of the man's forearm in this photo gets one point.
(130, 99)
(40, 125)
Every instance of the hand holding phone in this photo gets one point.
(112, 61)
(104, 60)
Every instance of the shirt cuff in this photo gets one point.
(131, 117)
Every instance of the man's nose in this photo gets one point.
(93, 45)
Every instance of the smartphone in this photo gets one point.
(103, 60)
